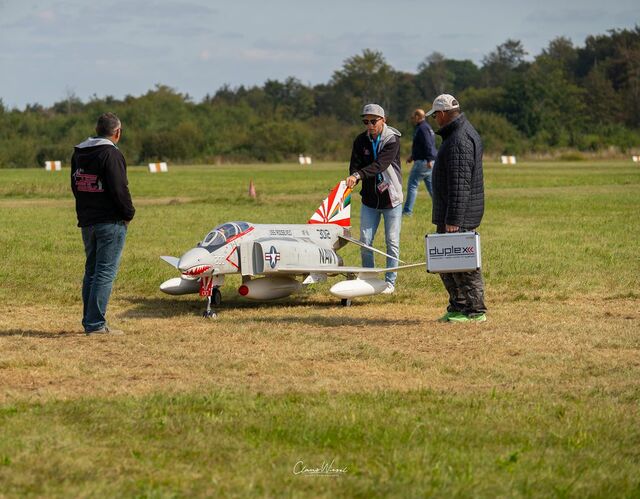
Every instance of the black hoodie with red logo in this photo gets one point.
(99, 183)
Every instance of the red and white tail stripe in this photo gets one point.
(336, 208)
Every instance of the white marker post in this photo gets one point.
(158, 167)
(53, 166)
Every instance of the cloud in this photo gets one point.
(564, 16)
(182, 22)
(627, 18)
(271, 55)
(47, 16)
(229, 35)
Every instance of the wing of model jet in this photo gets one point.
(338, 270)
(171, 260)
(362, 245)
(366, 282)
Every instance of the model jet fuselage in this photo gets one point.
(261, 249)
(277, 254)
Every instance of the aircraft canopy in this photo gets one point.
(222, 234)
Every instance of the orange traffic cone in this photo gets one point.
(252, 189)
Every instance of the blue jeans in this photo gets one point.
(419, 172)
(369, 221)
(103, 245)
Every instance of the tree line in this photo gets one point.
(567, 98)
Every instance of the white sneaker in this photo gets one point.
(389, 289)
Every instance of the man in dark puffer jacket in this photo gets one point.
(458, 202)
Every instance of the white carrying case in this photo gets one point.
(453, 252)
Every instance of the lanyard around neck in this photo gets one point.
(375, 144)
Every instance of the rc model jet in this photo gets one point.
(271, 258)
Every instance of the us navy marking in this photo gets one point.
(273, 257)
(326, 256)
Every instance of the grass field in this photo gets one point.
(542, 400)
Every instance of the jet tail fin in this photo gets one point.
(336, 208)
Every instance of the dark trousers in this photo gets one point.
(466, 289)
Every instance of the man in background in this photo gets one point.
(423, 154)
(375, 161)
(104, 209)
(458, 202)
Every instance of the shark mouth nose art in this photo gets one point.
(197, 270)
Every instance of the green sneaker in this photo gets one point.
(447, 317)
(479, 318)
(466, 318)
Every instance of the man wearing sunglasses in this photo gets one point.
(458, 202)
(375, 162)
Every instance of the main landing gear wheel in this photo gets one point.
(216, 297)
(345, 302)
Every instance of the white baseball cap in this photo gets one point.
(444, 102)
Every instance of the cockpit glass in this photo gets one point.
(213, 238)
(222, 234)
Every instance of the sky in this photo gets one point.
(50, 50)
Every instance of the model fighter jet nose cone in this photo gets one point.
(194, 262)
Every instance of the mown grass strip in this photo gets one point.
(391, 444)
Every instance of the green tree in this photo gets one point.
(290, 98)
(542, 102)
(499, 64)
(363, 78)
(562, 51)
(602, 102)
(434, 76)
(489, 99)
(464, 74)
(406, 98)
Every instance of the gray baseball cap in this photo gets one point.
(444, 102)
(373, 109)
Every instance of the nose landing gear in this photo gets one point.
(212, 293)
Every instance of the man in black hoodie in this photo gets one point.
(104, 208)
(458, 202)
